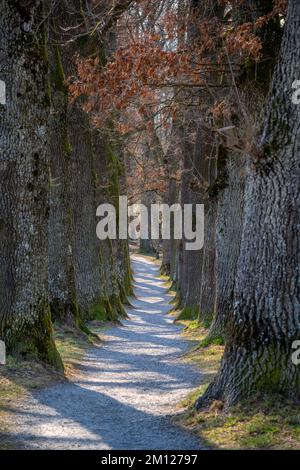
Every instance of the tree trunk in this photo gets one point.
(208, 171)
(265, 320)
(208, 276)
(184, 255)
(201, 274)
(194, 164)
(24, 173)
(117, 262)
(62, 285)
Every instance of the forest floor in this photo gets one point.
(137, 389)
(123, 392)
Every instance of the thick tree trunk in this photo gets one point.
(201, 274)
(229, 225)
(147, 199)
(116, 261)
(85, 250)
(173, 196)
(172, 162)
(170, 247)
(122, 262)
(207, 168)
(194, 164)
(265, 320)
(75, 283)
(25, 321)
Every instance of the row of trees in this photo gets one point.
(202, 92)
(194, 99)
(55, 169)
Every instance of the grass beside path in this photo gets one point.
(20, 377)
(267, 422)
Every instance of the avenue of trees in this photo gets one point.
(55, 168)
(167, 101)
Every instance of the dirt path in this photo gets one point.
(127, 388)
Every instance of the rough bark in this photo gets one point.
(207, 169)
(118, 278)
(173, 163)
(194, 163)
(229, 223)
(170, 247)
(252, 86)
(208, 276)
(184, 255)
(74, 280)
(25, 322)
(87, 278)
(147, 199)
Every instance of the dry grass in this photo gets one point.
(264, 423)
(20, 377)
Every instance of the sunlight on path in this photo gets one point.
(126, 388)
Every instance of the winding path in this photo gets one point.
(127, 388)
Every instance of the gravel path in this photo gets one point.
(127, 388)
